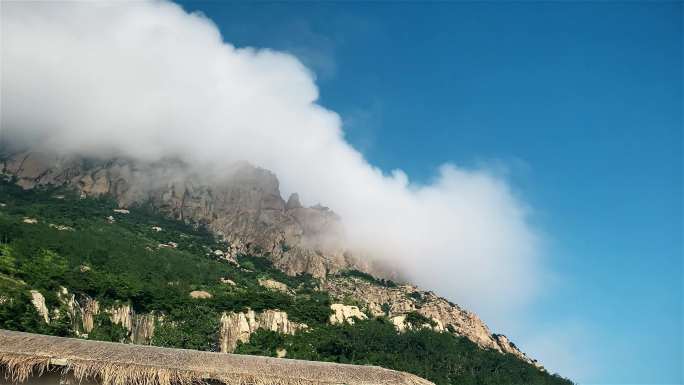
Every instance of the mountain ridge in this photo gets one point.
(247, 211)
(246, 208)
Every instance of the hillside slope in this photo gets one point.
(83, 267)
(243, 204)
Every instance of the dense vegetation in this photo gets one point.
(441, 357)
(368, 277)
(121, 262)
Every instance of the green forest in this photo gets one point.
(52, 238)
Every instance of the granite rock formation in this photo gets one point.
(81, 313)
(238, 327)
(342, 313)
(396, 302)
(243, 205)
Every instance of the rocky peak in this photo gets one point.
(243, 204)
(293, 202)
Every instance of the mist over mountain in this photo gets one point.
(149, 81)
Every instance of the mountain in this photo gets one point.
(243, 205)
(153, 253)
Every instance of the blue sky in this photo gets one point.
(580, 103)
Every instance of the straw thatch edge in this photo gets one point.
(20, 367)
(25, 355)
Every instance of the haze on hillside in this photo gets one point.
(148, 80)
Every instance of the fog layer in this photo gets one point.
(148, 80)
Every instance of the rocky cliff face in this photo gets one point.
(38, 301)
(81, 313)
(244, 205)
(397, 302)
(139, 326)
(233, 327)
(236, 327)
(342, 313)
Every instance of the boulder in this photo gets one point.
(200, 294)
(345, 314)
(274, 285)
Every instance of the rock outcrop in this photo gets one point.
(396, 302)
(140, 327)
(200, 294)
(238, 327)
(74, 312)
(274, 285)
(509, 347)
(233, 327)
(38, 301)
(82, 314)
(89, 310)
(243, 204)
(345, 314)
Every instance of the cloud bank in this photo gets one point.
(149, 80)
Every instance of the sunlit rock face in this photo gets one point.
(38, 301)
(81, 314)
(396, 302)
(345, 314)
(200, 294)
(243, 204)
(140, 327)
(238, 327)
(89, 310)
(274, 285)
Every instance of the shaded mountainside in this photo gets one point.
(79, 265)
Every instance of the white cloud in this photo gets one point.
(150, 80)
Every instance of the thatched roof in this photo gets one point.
(23, 355)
